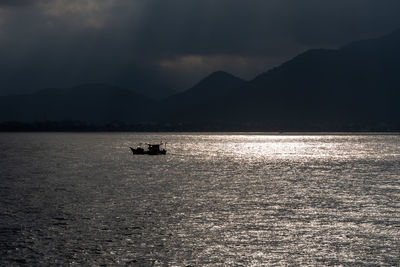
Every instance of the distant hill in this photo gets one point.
(199, 101)
(358, 84)
(97, 103)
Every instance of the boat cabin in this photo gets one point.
(152, 149)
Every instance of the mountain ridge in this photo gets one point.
(98, 103)
(357, 83)
(320, 86)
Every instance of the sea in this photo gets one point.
(215, 199)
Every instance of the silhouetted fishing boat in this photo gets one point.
(152, 149)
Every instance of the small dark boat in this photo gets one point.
(152, 149)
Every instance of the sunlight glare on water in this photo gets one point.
(214, 199)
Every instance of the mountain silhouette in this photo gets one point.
(199, 101)
(96, 103)
(356, 84)
(354, 87)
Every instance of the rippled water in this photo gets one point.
(215, 199)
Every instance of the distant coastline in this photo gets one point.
(79, 126)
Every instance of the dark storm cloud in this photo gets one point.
(148, 43)
(262, 27)
(9, 3)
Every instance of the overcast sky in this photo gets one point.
(143, 44)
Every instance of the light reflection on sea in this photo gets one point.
(214, 199)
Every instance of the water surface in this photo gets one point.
(215, 199)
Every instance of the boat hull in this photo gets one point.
(141, 151)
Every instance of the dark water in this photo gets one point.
(213, 200)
